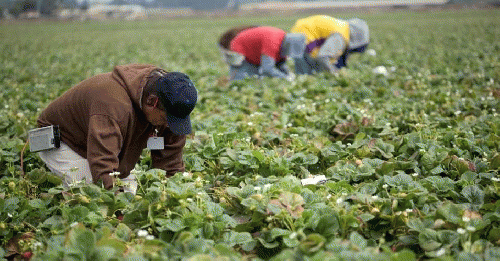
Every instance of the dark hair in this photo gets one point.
(152, 81)
(227, 37)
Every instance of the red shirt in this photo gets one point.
(254, 42)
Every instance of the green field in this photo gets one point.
(411, 157)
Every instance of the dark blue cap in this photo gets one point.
(178, 96)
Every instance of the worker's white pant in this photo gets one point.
(72, 168)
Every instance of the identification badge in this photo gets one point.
(156, 143)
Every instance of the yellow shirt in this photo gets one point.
(319, 27)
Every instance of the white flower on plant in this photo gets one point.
(329, 196)
(465, 219)
(250, 123)
(398, 213)
(381, 70)
(461, 231)
(375, 197)
(187, 174)
(189, 200)
(408, 210)
(495, 179)
(457, 113)
(257, 188)
(470, 228)
(142, 233)
(340, 200)
(20, 114)
(371, 52)
(414, 174)
(293, 235)
(327, 100)
(440, 252)
(150, 237)
(36, 244)
(294, 135)
(385, 186)
(9, 215)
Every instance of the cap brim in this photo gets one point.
(179, 126)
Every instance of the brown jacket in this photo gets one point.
(101, 119)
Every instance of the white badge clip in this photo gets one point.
(156, 143)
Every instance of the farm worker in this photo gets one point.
(107, 120)
(262, 51)
(329, 42)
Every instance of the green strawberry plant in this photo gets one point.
(410, 159)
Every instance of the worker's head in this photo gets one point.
(171, 102)
(293, 45)
(359, 35)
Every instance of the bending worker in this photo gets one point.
(262, 51)
(106, 121)
(329, 42)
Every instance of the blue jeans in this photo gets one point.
(247, 69)
(307, 65)
(310, 65)
(243, 71)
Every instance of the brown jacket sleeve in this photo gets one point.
(103, 146)
(170, 159)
